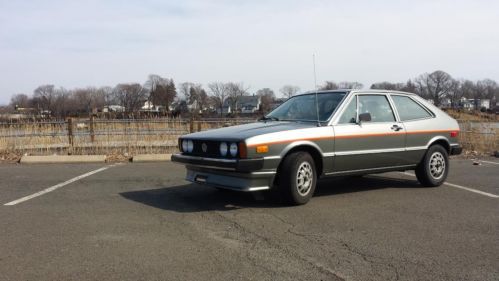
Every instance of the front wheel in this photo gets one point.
(434, 167)
(298, 178)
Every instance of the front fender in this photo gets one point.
(303, 143)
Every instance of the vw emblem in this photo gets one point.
(204, 147)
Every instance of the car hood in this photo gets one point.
(245, 131)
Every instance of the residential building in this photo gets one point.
(244, 104)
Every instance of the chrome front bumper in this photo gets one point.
(240, 165)
(235, 174)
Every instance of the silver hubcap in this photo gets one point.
(437, 165)
(304, 178)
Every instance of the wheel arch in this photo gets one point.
(309, 147)
(444, 142)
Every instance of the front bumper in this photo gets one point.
(239, 165)
(456, 150)
(235, 174)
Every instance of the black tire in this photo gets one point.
(433, 169)
(297, 164)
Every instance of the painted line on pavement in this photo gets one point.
(57, 186)
(461, 187)
(488, 162)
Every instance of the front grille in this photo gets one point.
(212, 149)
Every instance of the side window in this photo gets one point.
(378, 106)
(409, 109)
(350, 113)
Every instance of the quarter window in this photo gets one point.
(378, 106)
(350, 113)
(409, 109)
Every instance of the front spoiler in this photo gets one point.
(230, 180)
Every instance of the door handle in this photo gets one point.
(396, 128)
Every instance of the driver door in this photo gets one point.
(368, 145)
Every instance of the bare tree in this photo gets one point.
(161, 90)
(455, 93)
(197, 98)
(105, 96)
(235, 91)
(63, 104)
(44, 96)
(20, 101)
(388, 86)
(289, 90)
(491, 89)
(83, 100)
(435, 85)
(409, 86)
(350, 85)
(185, 90)
(153, 80)
(131, 96)
(5, 109)
(203, 99)
(329, 85)
(267, 97)
(219, 93)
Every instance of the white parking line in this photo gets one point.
(488, 162)
(52, 188)
(461, 187)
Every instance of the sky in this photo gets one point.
(261, 43)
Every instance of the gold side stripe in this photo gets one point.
(355, 136)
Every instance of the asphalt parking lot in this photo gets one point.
(144, 222)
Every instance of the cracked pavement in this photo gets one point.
(143, 222)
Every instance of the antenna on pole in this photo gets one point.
(316, 98)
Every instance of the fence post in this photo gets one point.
(191, 125)
(92, 131)
(199, 124)
(70, 135)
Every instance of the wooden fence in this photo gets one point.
(95, 136)
(133, 136)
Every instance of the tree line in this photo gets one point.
(436, 86)
(158, 92)
(191, 97)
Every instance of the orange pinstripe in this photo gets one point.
(356, 136)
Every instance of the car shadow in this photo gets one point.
(341, 185)
(191, 198)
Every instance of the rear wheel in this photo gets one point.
(298, 178)
(434, 167)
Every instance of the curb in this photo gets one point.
(63, 159)
(151, 158)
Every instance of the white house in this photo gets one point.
(226, 109)
(149, 106)
(113, 108)
(470, 103)
(244, 104)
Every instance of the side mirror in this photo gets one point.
(364, 117)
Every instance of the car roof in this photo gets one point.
(348, 91)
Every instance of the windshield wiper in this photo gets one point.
(265, 118)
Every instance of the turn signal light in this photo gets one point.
(262, 149)
(454, 134)
(243, 153)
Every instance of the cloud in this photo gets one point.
(263, 43)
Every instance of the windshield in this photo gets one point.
(303, 107)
